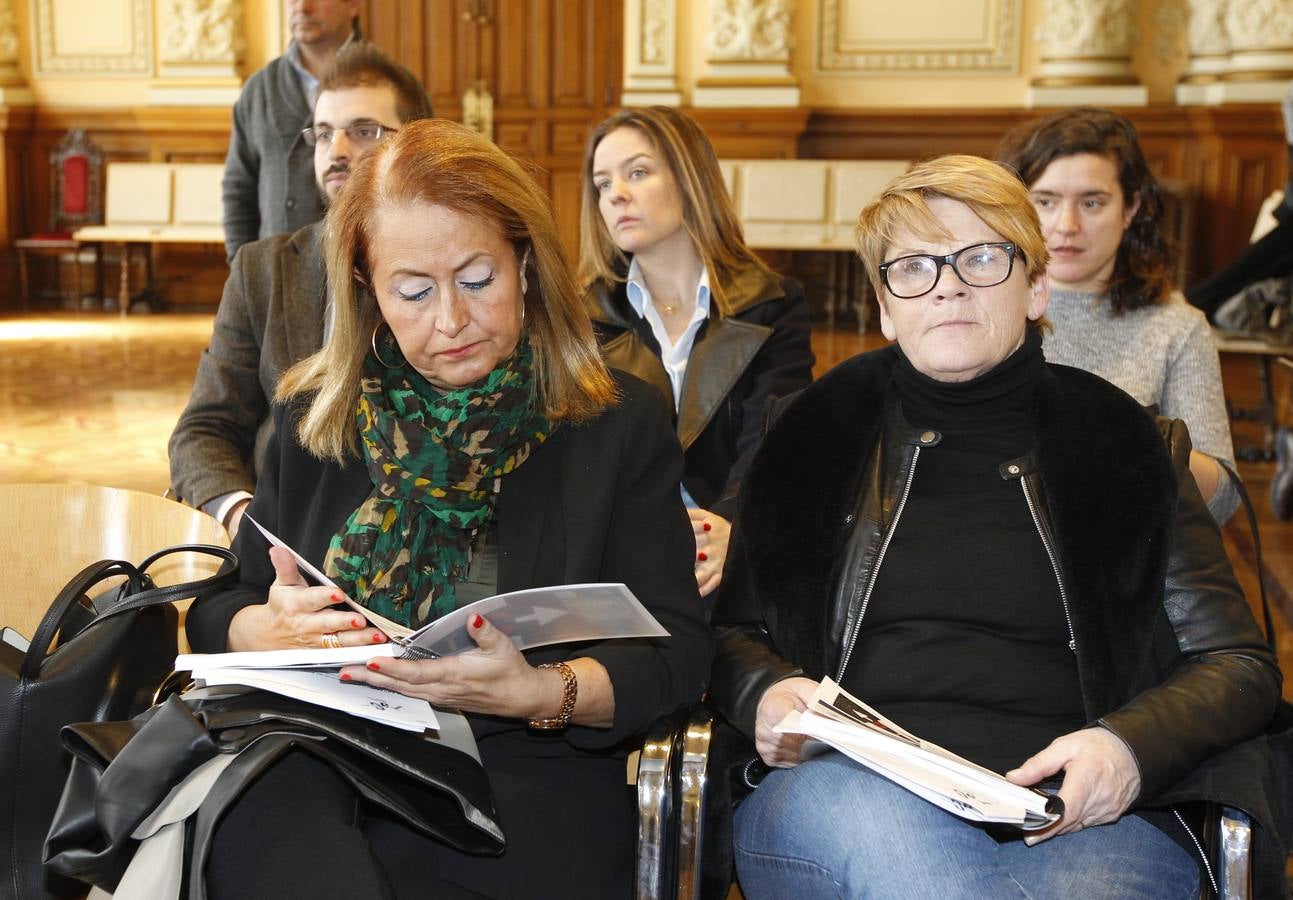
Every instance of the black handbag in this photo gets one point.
(123, 770)
(90, 660)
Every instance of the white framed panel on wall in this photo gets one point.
(92, 36)
(912, 37)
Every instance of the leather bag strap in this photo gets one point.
(134, 597)
(171, 593)
(68, 597)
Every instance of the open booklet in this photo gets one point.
(972, 792)
(531, 618)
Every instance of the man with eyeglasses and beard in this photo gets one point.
(274, 311)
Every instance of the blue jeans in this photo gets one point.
(831, 828)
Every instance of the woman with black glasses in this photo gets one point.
(1004, 557)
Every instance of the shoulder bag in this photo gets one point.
(90, 660)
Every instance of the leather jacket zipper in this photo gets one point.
(875, 570)
(1050, 552)
(1207, 866)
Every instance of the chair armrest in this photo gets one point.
(1234, 861)
(671, 773)
(692, 775)
(655, 780)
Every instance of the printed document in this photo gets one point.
(840, 720)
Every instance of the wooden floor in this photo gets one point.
(92, 398)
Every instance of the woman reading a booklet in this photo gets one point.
(1007, 558)
(458, 437)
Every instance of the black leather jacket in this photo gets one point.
(1169, 656)
(761, 349)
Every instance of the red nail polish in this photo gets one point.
(372, 665)
(336, 598)
(378, 638)
(477, 621)
(702, 557)
(345, 676)
(707, 526)
(356, 623)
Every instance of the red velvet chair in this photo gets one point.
(75, 200)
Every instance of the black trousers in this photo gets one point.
(300, 831)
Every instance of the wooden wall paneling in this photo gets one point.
(1233, 156)
(448, 54)
(15, 133)
(566, 189)
(574, 59)
(189, 277)
(754, 133)
(514, 51)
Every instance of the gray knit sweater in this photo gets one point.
(1163, 355)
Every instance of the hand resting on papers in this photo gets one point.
(297, 615)
(781, 751)
(1101, 778)
(494, 679)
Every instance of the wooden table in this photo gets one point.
(136, 235)
(1263, 352)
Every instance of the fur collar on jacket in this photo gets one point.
(1107, 481)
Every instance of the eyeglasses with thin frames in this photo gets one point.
(363, 133)
(979, 265)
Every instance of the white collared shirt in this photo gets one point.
(309, 84)
(673, 355)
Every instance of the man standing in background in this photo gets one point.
(268, 188)
(275, 309)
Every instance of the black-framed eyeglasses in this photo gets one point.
(362, 133)
(979, 265)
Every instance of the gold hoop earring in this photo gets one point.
(376, 354)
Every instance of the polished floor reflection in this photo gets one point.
(92, 398)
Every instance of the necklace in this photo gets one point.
(670, 308)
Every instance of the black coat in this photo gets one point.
(762, 350)
(1168, 654)
(596, 502)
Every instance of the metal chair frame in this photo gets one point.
(671, 778)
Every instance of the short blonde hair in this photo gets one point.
(993, 192)
(707, 212)
(439, 162)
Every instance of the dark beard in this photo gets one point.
(323, 193)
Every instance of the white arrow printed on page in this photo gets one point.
(542, 615)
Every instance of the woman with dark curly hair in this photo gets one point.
(1113, 305)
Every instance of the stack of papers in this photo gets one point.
(842, 721)
(531, 618)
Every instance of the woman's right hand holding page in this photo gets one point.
(296, 615)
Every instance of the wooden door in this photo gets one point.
(551, 66)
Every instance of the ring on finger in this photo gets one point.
(331, 641)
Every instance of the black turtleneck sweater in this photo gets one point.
(964, 640)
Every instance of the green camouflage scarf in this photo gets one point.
(435, 460)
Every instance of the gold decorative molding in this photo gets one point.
(8, 35)
(53, 56)
(656, 45)
(749, 31)
(202, 31)
(863, 48)
(650, 53)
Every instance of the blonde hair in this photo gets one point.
(439, 162)
(993, 192)
(708, 216)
